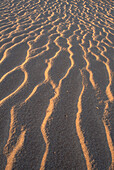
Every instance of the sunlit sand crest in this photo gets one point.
(51, 107)
(79, 130)
(18, 145)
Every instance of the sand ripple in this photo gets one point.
(56, 84)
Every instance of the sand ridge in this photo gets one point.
(62, 52)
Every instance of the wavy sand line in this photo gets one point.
(108, 136)
(5, 53)
(49, 110)
(32, 93)
(79, 130)
(20, 66)
(11, 40)
(87, 67)
(16, 149)
(19, 88)
(108, 89)
(95, 55)
(106, 37)
(18, 146)
(51, 107)
(5, 75)
(110, 99)
(11, 129)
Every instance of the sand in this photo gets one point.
(56, 85)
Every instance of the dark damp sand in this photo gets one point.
(56, 85)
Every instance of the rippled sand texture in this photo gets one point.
(56, 85)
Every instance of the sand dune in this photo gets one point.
(56, 84)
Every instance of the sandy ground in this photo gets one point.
(56, 85)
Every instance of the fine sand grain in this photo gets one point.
(56, 85)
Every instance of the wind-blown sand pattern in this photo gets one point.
(56, 84)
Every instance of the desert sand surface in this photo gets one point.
(56, 85)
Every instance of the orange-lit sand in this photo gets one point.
(56, 85)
